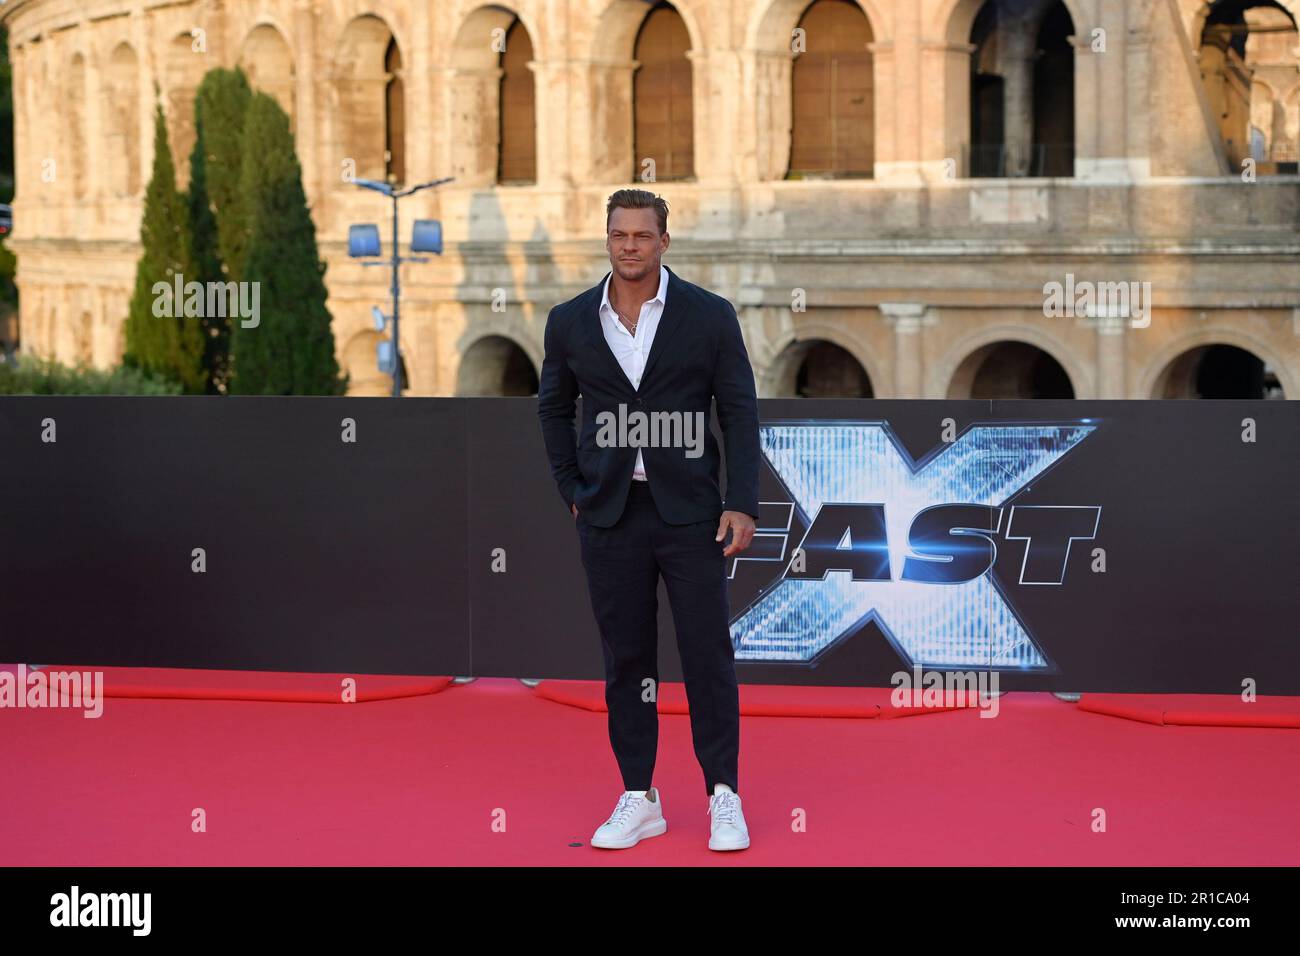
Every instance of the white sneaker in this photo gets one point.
(727, 830)
(634, 818)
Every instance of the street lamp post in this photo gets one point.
(363, 241)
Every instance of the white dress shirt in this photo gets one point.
(632, 351)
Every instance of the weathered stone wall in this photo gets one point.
(912, 271)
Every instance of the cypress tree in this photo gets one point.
(291, 350)
(206, 263)
(220, 104)
(217, 226)
(160, 339)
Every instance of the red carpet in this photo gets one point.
(1197, 710)
(760, 700)
(186, 684)
(421, 780)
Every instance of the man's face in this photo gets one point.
(634, 242)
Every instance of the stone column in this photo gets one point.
(719, 131)
(766, 155)
(307, 132)
(892, 163)
(946, 131)
(1016, 63)
(1137, 81)
(907, 318)
(710, 141)
(1086, 68)
(1103, 89)
(474, 107)
(550, 98)
(1111, 345)
(1112, 91)
(612, 137)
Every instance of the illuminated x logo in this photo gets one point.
(944, 625)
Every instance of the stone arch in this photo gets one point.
(1264, 85)
(818, 368)
(940, 376)
(768, 40)
(1010, 369)
(771, 26)
(1223, 69)
(1010, 88)
(613, 70)
(954, 18)
(1158, 364)
(122, 121)
(360, 359)
(494, 364)
(784, 357)
(619, 21)
(362, 80)
(1201, 13)
(475, 101)
(472, 44)
(266, 57)
(832, 93)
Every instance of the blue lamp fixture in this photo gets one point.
(363, 242)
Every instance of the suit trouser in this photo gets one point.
(623, 565)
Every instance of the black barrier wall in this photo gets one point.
(1083, 546)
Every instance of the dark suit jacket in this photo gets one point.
(697, 355)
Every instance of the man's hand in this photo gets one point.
(742, 531)
(574, 509)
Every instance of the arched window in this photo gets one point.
(268, 62)
(1244, 44)
(1010, 370)
(816, 368)
(122, 122)
(367, 71)
(1218, 371)
(494, 365)
(517, 156)
(492, 100)
(832, 91)
(664, 113)
(394, 115)
(1021, 91)
(361, 363)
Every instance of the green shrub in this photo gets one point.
(33, 376)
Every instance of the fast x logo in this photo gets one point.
(907, 544)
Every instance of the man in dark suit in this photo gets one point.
(649, 353)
